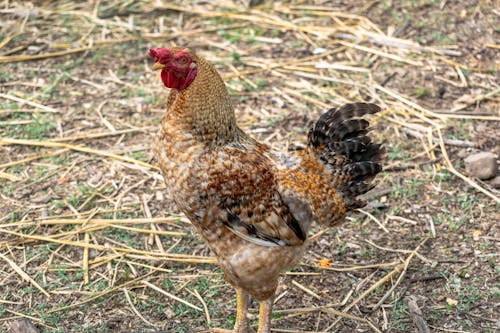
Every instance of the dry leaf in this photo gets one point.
(324, 263)
(63, 180)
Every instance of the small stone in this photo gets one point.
(34, 48)
(23, 326)
(482, 165)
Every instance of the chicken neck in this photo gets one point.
(204, 109)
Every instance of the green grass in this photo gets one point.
(6, 76)
(236, 57)
(469, 297)
(6, 188)
(74, 201)
(9, 105)
(409, 190)
(38, 129)
(399, 316)
(52, 89)
(442, 175)
(421, 92)
(398, 152)
(71, 64)
(246, 35)
(139, 155)
(366, 252)
(123, 236)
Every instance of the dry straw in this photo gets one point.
(352, 35)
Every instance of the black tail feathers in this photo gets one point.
(340, 139)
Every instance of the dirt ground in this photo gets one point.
(89, 240)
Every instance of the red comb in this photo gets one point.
(159, 53)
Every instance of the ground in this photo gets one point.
(89, 240)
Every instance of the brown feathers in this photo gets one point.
(252, 205)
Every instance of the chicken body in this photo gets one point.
(213, 189)
(252, 205)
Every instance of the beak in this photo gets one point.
(157, 66)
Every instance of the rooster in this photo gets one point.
(251, 204)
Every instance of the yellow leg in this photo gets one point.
(265, 311)
(242, 324)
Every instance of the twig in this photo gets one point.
(25, 276)
(355, 268)
(410, 104)
(449, 142)
(400, 278)
(282, 64)
(402, 267)
(152, 286)
(205, 307)
(349, 316)
(421, 257)
(413, 280)
(306, 290)
(107, 43)
(381, 53)
(449, 330)
(10, 177)
(373, 218)
(30, 103)
(85, 260)
(7, 141)
(452, 169)
(165, 256)
(98, 135)
(412, 166)
(417, 315)
(33, 158)
(477, 99)
(17, 58)
(104, 293)
(132, 306)
(97, 221)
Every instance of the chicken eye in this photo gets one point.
(183, 60)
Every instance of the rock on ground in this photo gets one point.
(481, 165)
(23, 325)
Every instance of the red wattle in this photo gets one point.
(170, 80)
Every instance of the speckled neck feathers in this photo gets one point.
(204, 109)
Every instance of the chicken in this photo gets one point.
(251, 204)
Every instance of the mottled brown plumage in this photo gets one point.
(252, 205)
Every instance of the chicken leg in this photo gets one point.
(265, 311)
(242, 324)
